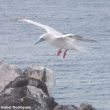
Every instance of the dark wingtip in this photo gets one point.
(90, 40)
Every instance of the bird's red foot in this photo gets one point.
(59, 52)
(64, 54)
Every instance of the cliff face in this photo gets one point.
(29, 89)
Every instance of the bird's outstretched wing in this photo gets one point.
(47, 28)
(77, 37)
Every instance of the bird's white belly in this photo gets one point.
(63, 44)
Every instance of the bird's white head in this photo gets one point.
(44, 37)
(41, 39)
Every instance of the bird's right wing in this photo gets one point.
(61, 42)
(47, 28)
(77, 37)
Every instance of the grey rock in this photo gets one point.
(65, 107)
(26, 89)
(30, 89)
(85, 106)
(7, 74)
(45, 75)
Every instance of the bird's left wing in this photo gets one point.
(77, 37)
(46, 27)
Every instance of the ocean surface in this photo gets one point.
(80, 77)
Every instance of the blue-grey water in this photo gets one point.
(81, 77)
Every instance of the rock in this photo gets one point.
(65, 107)
(29, 89)
(7, 74)
(43, 74)
(84, 106)
(26, 96)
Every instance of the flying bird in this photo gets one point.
(58, 39)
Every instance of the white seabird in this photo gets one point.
(57, 39)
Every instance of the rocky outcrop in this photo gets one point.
(83, 106)
(29, 89)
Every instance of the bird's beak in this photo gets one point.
(40, 40)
